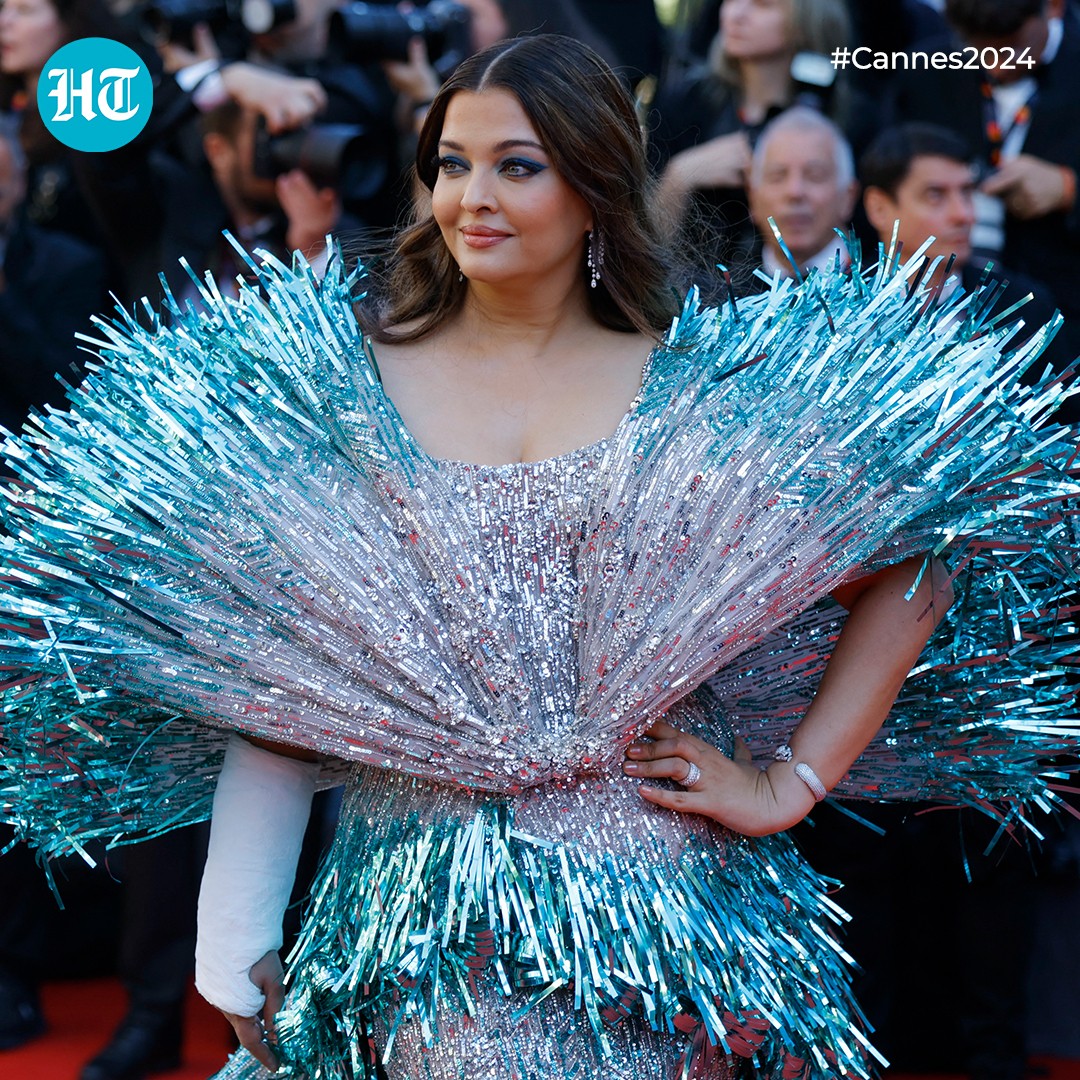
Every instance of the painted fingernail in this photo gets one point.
(635, 749)
(630, 767)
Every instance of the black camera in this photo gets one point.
(174, 20)
(361, 33)
(262, 16)
(814, 78)
(339, 156)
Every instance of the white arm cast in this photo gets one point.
(261, 809)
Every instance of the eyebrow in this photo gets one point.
(944, 187)
(499, 147)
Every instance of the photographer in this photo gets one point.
(290, 76)
(460, 29)
(282, 214)
(108, 201)
(418, 47)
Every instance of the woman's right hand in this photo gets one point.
(256, 1033)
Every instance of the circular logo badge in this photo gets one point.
(95, 94)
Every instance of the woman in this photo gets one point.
(479, 553)
(708, 121)
(30, 32)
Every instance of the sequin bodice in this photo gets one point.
(528, 521)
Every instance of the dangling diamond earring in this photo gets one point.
(460, 275)
(595, 258)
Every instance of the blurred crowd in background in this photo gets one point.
(283, 121)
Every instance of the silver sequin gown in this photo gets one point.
(234, 529)
(527, 530)
(525, 534)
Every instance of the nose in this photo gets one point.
(731, 10)
(962, 210)
(479, 191)
(794, 186)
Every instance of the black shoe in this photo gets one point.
(20, 1012)
(147, 1041)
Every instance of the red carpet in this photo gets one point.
(82, 1015)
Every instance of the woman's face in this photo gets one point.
(756, 29)
(30, 32)
(506, 215)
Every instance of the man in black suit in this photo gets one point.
(802, 177)
(921, 180)
(1021, 119)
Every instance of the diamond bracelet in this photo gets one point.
(803, 772)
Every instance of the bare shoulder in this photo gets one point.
(620, 348)
(395, 338)
(402, 353)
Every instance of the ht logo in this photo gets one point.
(95, 94)
(114, 98)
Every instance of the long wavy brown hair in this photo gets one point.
(588, 125)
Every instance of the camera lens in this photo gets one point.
(362, 33)
(262, 16)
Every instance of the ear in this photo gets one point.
(215, 148)
(880, 210)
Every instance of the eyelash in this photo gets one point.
(443, 164)
(448, 166)
(531, 168)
